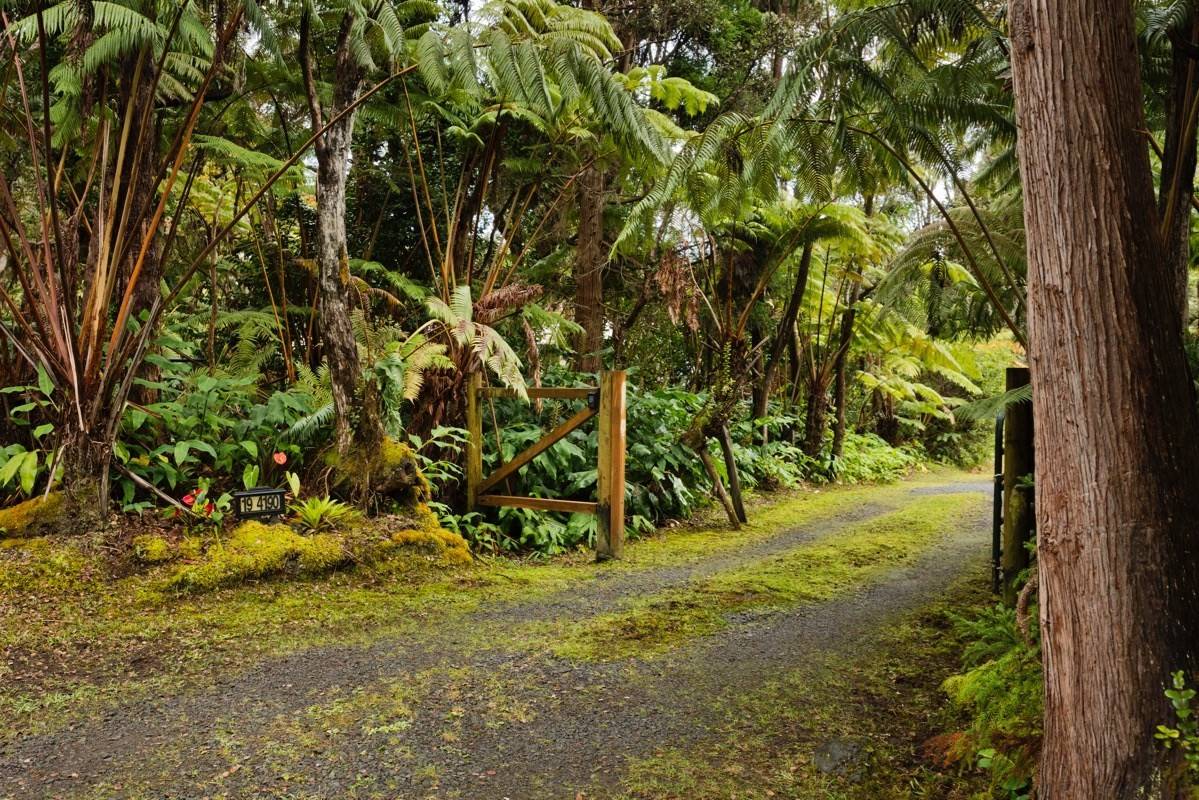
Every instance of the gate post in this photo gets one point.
(1018, 461)
(474, 440)
(609, 536)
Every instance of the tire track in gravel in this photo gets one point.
(218, 740)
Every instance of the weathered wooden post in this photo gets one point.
(609, 539)
(997, 510)
(1018, 462)
(474, 440)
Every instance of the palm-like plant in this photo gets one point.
(475, 342)
(100, 141)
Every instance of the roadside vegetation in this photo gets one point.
(272, 246)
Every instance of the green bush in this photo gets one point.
(219, 428)
(866, 458)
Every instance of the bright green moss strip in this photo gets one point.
(809, 573)
(255, 550)
(776, 514)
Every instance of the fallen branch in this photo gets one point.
(145, 484)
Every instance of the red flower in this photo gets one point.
(189, 498)
(209, 508)
(280, 458)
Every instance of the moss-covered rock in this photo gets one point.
(34, 517)
(255, 550)
(153, 549)
(389, 471)
(438, 547)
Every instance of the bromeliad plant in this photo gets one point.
(322, 514)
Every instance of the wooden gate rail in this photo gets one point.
(607, 401)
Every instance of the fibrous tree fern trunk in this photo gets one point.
(590, 261)
(840, 379)
(784, 334)
(1117, 494)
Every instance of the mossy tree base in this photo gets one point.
(378, 477)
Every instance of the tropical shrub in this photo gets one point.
(1184, 734)
(866, 458)
(24, 465)
(219, 427)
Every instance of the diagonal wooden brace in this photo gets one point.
(536, 449)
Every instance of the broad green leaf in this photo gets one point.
(9, 470)
(29, 471)
(44, 384)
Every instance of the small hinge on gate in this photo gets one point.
(593, 400)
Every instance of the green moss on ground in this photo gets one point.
(33, 517)
(809, 573)
(255, 550)
(47, 565)
(153, 549)
(886, 707)
(126, 639)
(771, 514)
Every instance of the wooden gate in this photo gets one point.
(607, 401)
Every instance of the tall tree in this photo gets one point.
(1117, 429)
(350, 62)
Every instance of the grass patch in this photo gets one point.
(809, 573)
(886, 707)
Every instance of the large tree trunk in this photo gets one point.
(333, 269)
(840, 400)
(589, 271)
(815, 418)
(86, 456)
(1117, 493)
(840, 386)
(341, 352)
